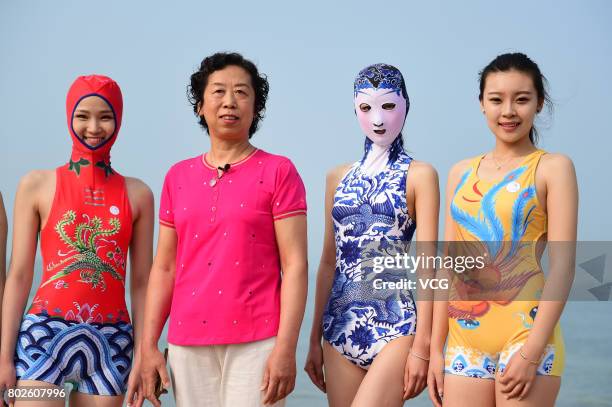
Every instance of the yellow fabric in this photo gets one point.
(483, 334)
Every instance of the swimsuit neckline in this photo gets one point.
(496, 180)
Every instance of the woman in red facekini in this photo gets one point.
(77, 328)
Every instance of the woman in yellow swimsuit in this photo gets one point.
(504, 343)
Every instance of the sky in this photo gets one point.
(310, 51)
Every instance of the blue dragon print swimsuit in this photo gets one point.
(370, 215)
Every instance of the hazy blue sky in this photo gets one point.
(311, 51)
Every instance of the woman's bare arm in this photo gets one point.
(422, 193)
(26, 225)
(439, 329)
(280, 371)
(424, 179)
(325, 279)
(292, 248)
(157, 308)
(440, 313)
(3, 234)
(160, 287)
(141, 252)
(327, 264)
(562, 213)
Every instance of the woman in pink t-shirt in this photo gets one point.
(232, 221)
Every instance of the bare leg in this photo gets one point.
(383, 384)
(35, 403)
(543, 394)
(89, 400)
(342, 378)
(460, 391)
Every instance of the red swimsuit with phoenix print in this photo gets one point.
(85, 240)
(78, 329)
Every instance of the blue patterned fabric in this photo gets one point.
(381, 76)
(370, 219)
(95, 357)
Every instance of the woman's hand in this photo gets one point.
(8, 376)
(153, 365)
(134, 396)
(435, 378)
(279, 376)
(415, 374)
(518, 377)
(314, 365)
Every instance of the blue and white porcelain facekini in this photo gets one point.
(370, 220)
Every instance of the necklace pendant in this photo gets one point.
(212, 182)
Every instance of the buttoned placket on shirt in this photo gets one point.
(216, 186)
(220, 178)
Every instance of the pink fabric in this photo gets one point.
(227, 285)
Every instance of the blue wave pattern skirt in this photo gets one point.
(370, 219)
(95, 357)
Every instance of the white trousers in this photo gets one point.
(219, 375)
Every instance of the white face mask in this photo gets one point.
(381, 114)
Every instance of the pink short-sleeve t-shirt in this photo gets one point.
(227, 282)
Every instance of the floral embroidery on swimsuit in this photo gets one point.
(88, 251)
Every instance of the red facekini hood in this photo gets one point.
(92, 163)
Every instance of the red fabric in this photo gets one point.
(100, 86)
(85, 241)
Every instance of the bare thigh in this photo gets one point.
(461, 391)
(383, 384)
(90, 400)
(543, 393)
(37, 403)
(342, 377)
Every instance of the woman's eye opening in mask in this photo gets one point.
(364, 107)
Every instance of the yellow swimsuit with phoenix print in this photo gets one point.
(503, 221)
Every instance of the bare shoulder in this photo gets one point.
(555, 163)
(35, 190)
(423, 174)
(457, 170)
(459, 167)
(138, 190)
(136, 185)
(36, 180)
(422, 169)
(335, 174)
(556, 170)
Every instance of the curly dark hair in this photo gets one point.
(216, 62)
